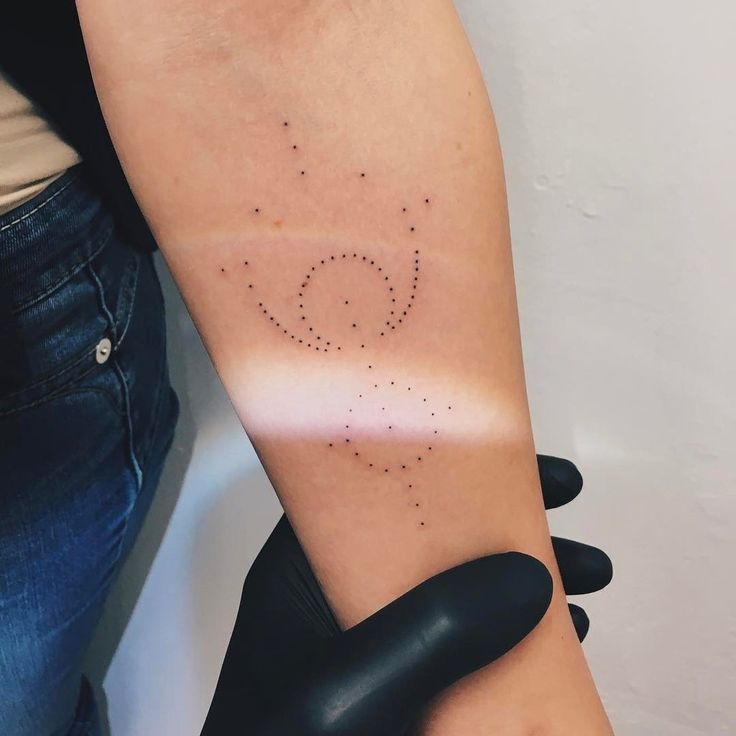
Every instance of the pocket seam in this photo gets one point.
(102, 241)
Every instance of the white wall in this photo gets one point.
(618, 125)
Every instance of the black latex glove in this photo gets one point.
(291, 671)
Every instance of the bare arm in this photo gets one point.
(325, 182)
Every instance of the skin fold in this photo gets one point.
(262, 139)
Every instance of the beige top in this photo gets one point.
(31, 154)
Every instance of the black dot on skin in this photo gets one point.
(223, 270)
(256, 210)
(362, 173)
(427, 200)
(419, 459)
(449, 407)
(245, 263)
(354, 325)
(417, 505)
(250, 286)
(385, 470)
(294, 147)
(286, 124)
(403, 209)
(421, 523)
(330, 444)
(411, 229)
(347, 440)
(356, 454)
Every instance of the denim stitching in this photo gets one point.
(103, 303)
(129, 425)
(121, 377)
(39, 206)
(130, 291)
(34, 298)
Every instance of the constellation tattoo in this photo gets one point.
(394, 299)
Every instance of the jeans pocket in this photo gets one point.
(53, 341)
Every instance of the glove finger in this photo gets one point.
(379, 675)
(561, 480)
(580, 621)
(584, 569)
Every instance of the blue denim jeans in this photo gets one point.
(87, 416)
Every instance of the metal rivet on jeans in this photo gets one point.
(103, 350)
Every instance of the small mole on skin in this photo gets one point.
(223, 270)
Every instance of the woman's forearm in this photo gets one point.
(325, 182)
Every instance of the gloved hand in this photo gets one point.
(290, 670)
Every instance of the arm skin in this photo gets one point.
(264, 138)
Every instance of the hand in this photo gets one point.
(290, 670)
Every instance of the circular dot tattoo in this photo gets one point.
(324, 271)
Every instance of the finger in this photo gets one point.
(584, 569)
(380, 674)
(561, 480)
(580, 621)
